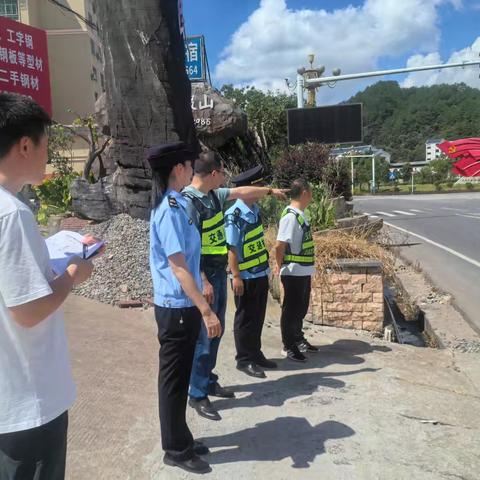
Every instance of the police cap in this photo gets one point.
(250, 177)
(169, 154)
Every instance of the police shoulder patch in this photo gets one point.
(237, 212)
(172, 202)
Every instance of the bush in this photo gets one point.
(54, 195)
(271, 209)
(450, 184)
(438, 186)
(312, 162)
(469, 186)
(321, 212)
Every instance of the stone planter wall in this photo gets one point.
(351, 297)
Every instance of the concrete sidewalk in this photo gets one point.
(360, 409)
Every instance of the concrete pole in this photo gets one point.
(413, 173)
(300, 84)
(353, 182)
(373, 174)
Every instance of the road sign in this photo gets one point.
(24, 62)
(195, 58)
(392, 175)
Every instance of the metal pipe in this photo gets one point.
(320, 81)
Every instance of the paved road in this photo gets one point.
(360, 409)
(446, 231)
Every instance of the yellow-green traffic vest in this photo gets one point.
(254, 250)
(306, 256)
(212, 231)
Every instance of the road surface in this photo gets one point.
(444, 230)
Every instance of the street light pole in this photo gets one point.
(318, 82)
(373, 174)
(300, 87)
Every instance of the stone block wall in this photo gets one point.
(351, 296)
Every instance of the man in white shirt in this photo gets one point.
(295, 259)
(36, 385)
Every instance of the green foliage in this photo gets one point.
(271, 209)
(60, 143)
(400, 120)
(266, 113)
(54, 193)
(469, 186)
(312, 162)
(406, 172)
(363, 172)
(321, 212)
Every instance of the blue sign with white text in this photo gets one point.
(195, 58)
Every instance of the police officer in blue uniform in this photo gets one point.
(179, 302)
(248, 262)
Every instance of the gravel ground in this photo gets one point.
(123, 272)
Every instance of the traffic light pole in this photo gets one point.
(303, 83)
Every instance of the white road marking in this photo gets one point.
(439, 245)
(452, 209)
(401, 212)
(370, 215)
(386, 214)
(468, 216)
(416, 211)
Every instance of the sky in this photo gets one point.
(263, 42)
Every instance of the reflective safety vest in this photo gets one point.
(254, 251)
(306, 256)
(212, 231)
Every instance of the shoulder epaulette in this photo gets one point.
(172, 201)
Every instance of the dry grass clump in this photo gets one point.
(336, 244)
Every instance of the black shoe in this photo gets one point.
(251, 369)
(200, 448)
(306, 347)
(264, 363)
(218, 391)
(204, 408)
(193, 465)
(295, 355)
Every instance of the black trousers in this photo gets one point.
(294, 308)
(178, 330)
(249, 318)
(35, 454)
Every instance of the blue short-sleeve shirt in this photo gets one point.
(235, 231)
(173, 231)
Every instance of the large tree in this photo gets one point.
(147, 100)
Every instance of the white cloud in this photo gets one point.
(275, 40)
(468, 75)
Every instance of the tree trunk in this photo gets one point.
(147, 92)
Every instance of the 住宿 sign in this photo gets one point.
(195, 58)
(24, 62)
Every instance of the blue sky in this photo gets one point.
(418, 32)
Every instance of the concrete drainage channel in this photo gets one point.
(398, 328)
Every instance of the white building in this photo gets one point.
(432, 152)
